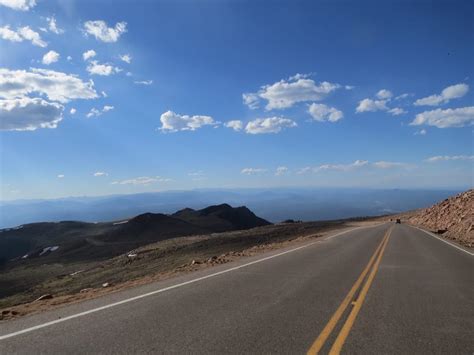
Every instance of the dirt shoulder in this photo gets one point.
(154, 262)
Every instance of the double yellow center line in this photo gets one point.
(371, 267)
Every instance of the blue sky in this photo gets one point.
(200, 94)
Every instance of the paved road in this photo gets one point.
(415, 295)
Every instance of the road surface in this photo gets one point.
(388, 289)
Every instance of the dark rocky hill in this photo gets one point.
(76, 241)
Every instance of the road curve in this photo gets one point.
(388, 289)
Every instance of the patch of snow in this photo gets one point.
(121, 222)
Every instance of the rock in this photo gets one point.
(46, 296)
(5, 312)
(106, 284)
(212, 259)
(195, 262)
(84, 290)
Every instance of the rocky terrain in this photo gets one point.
(452, 218)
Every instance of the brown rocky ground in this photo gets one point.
(452, 218)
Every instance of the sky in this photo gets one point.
(112, 97)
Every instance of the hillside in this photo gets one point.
(69, 241)
(453, 218)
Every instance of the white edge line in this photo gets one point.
(443, 240)
(77, 315)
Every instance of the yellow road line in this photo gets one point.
(326, 332)
(343, 334)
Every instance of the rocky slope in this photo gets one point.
(453, 218)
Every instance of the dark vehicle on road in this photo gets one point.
(398, 221)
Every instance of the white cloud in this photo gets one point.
(285, 93)
(334, 167)
(55, 85)
(69, 58)
(73, 111)
(143, 82)
(253, 171)
(142, 180)
(96, 113)
(101, 32)
(384, 94)
(95, 68)
(458, 117)
(89, 54)
(29, 114)
(324, 113)
(104, 94)
(421, 132)
(53, 27)
(21, 5)
(127, 58)
(60, 176)
(343, 167)
(404, 96)
(396, 111)
(197, 175)
(369, 105)
(448, 157)
(236, 125)
(389, 164)
(251, 100)
(100, 173)
(173, 122)
(50, 57)
(281, 170)
(449, 93)
(269, 125)
(21, 34)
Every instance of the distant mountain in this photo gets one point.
(76, 241)
(272, 204)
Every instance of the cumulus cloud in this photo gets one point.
(449, 93)
(269, 125)
(97, 112)
(439, 158)
(458, 117)
(73, 111)
(19, 5)
(253, 171)
(89, 54)
(384, 94)
(53, 27)
(281, 170)
(396, 111)
(383, 97)
(236, 125)
(324, 113)
(60, 176)
(102, 32)
(57, 86)
(95, 68)
(29, 114)
(369, 105)
(22, 34)
(50, 57)
(285, 93)
(142, 180)
(173, 122)
(100, 173)
(143, 82)
(127, 58)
